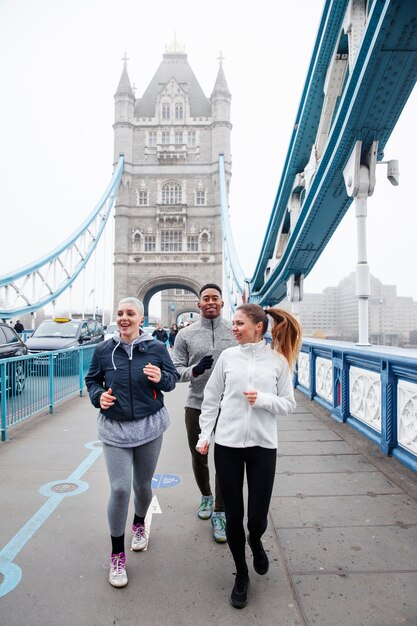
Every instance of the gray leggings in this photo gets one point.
(119, 462)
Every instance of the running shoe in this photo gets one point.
(117, 574)
(140, 537)
(218, 521)
(206, 507)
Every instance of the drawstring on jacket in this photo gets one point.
(117, 338)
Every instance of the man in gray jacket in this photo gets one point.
(197, 348)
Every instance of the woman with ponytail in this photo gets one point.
(251, 385)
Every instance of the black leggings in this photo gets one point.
(260, 473)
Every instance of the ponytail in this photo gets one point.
(286, 334)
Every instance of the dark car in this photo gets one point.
(64, 333)
(12, 345)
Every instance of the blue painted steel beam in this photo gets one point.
(373, 97)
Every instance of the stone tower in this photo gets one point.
(167, 217)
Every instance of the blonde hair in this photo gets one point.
(138, 304)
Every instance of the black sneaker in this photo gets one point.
(239, 597)
(260, 558)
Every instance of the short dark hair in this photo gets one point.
(209, 286)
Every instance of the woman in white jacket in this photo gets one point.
(251, 385)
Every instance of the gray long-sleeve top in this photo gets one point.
(204, 337)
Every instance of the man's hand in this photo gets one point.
(204, 364)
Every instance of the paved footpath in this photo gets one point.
(342, 537)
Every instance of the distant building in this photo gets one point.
(333, 314)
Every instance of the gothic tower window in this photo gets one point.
(143, 197)
(152, 139)
(165, 137)
(171, 240)
(171, 193)
(192, 243)
(179, 111)
(166, 111)
(150, 243)
(178, 137)
(200, 197)
(192, 138)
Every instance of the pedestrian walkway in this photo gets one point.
(342, 537)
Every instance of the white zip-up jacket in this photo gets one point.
(244, 368)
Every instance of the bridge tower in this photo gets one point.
(167, 216)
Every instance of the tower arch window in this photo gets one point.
(171, 193)
(152, 138)
(192, 138)
(143, 197)
(179, 111)
(165, 137)
(150, 243)
(192, 243)
(166, 111)
(171, 240)
(178, 137)
(200, 197)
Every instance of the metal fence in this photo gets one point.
(374, 389)
(36, 383)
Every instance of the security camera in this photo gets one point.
(393, 172)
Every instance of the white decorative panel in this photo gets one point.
(304, 369)
(324, 378)
(365, 396)
(407, 416)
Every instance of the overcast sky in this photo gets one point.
(61, 64)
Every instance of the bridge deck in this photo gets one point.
(342, 537)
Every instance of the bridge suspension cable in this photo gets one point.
(34, 286)
(235, 280)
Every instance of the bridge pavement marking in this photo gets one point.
(11, 572)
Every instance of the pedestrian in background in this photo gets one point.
(172, 335)
(160, 333)
(19, 328)
(127, 376)
(252, 385)
(197, 347)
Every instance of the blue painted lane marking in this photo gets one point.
(160, 481)
(11, 572)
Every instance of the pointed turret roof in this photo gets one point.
(221, 84)
(124, 88)
(174, 65)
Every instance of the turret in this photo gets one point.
(123, 124)
(220, 109)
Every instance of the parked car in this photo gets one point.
(63, 333)
(12, 345)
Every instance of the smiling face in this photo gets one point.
(210, 303)
(245, 330)
(128, 321)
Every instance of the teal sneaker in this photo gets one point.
(218, 521)
(206, 507)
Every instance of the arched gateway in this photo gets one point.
(168, 232)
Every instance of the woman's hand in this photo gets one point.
(202, 447)
(251, 396)
(107, 399)
(153, 373)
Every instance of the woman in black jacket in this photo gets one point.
(127, 376)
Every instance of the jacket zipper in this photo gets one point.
(130, 388)
(249, 410)
(212, 332)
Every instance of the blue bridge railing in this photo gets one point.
(36, 383)
(374, 389)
